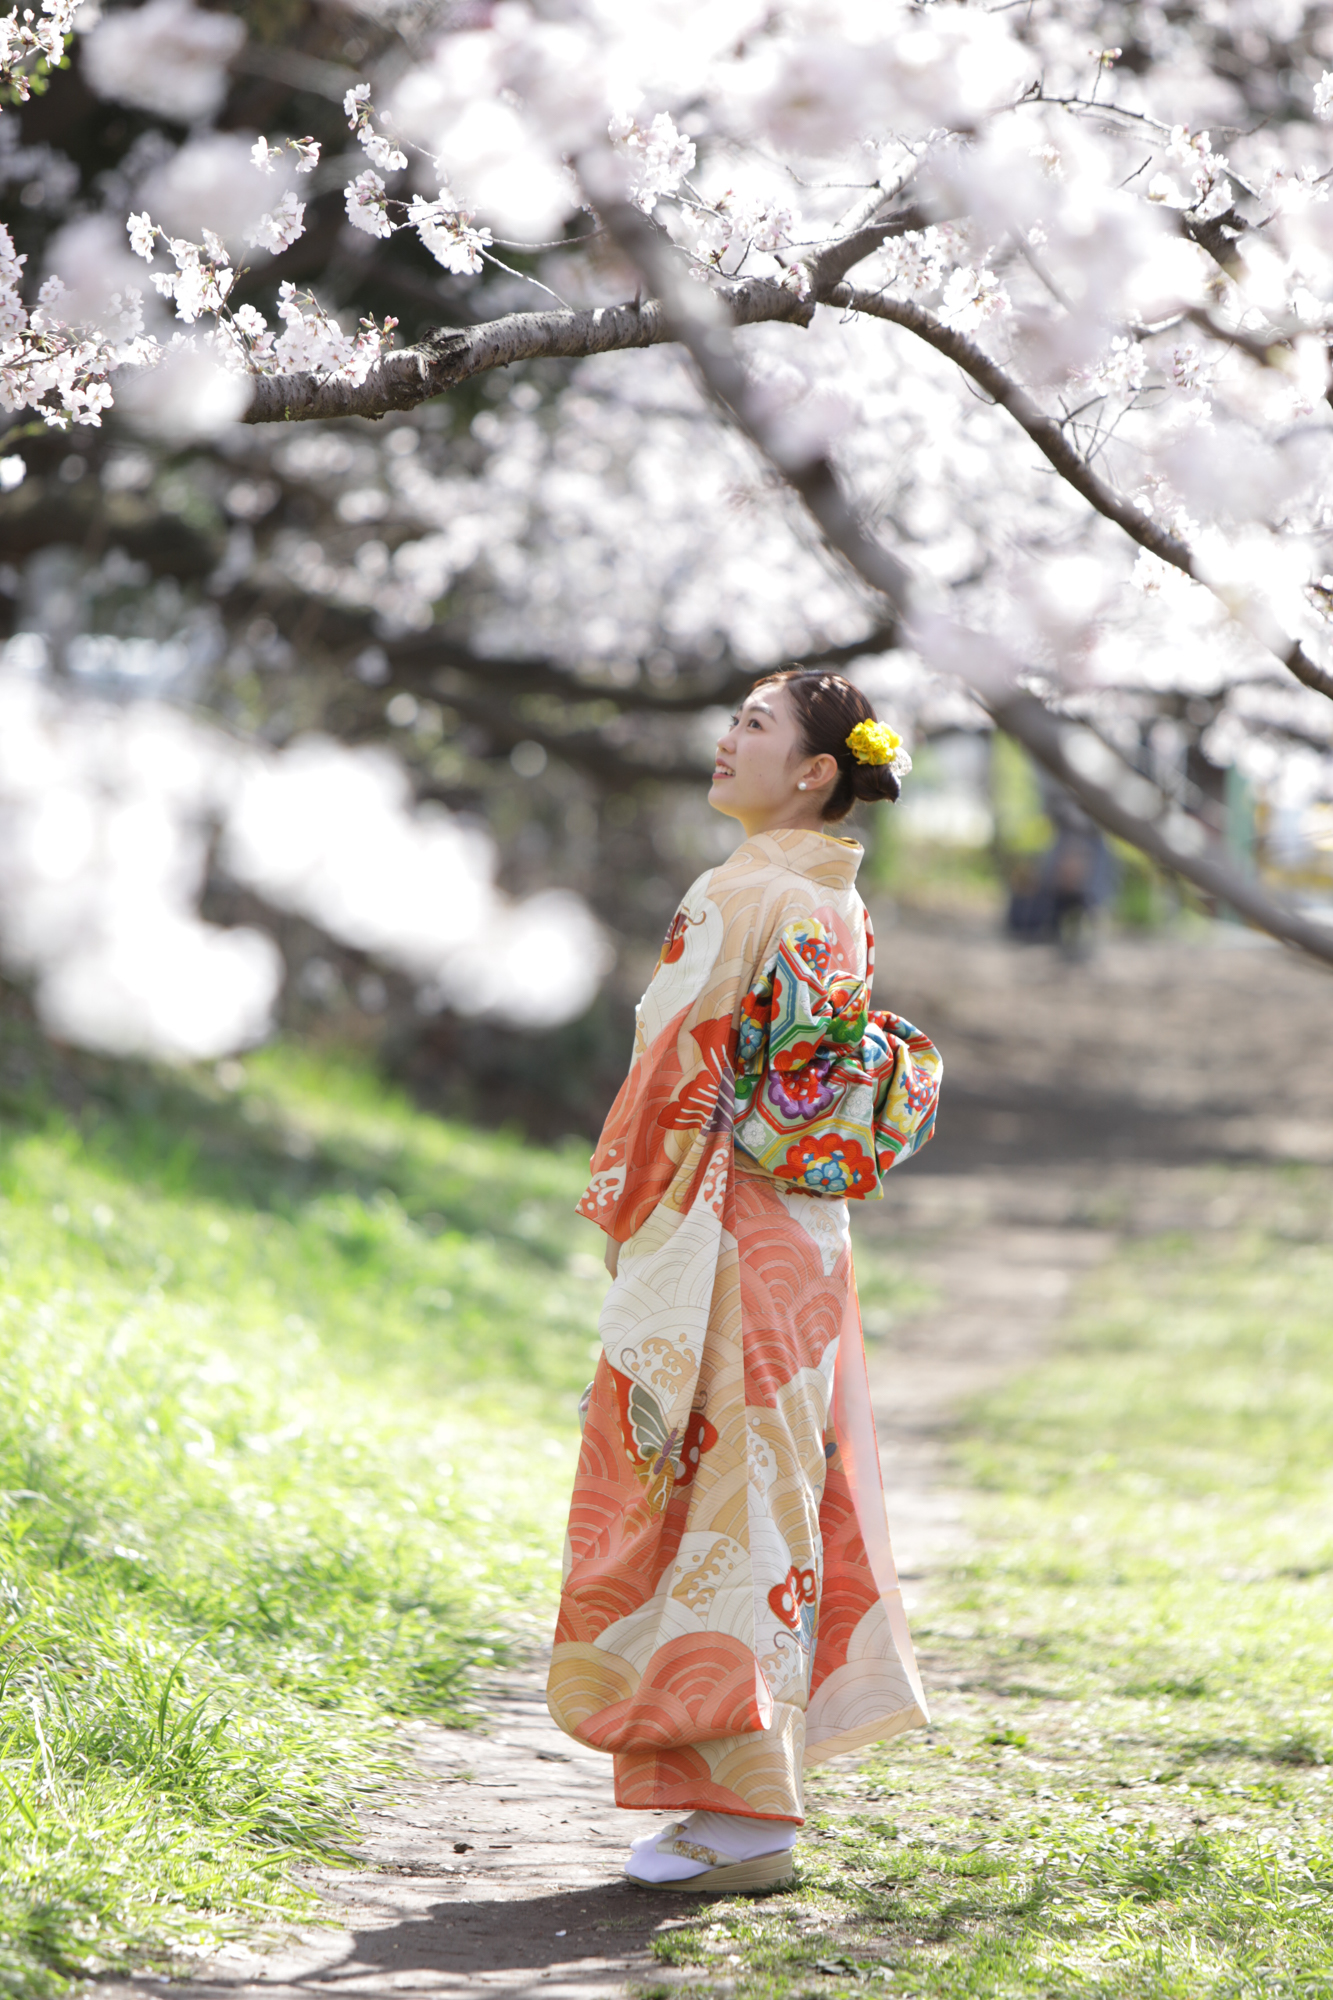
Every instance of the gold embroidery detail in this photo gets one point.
(691, 1851)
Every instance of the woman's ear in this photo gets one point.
(820, 773)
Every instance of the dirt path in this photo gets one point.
(494, 1870)
(1002, 1292)
(1088, 1103)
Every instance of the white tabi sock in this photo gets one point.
(665, 1856)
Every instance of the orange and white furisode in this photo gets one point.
(730, 1612)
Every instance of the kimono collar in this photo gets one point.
(822, 856)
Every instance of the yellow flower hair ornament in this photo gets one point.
(876, 743)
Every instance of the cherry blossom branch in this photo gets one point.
(1055, 447)
(406, 377)
(698, 319)
(1044, 431)
(1265, 350)
(831, 264)
(417, 661)
(448, 355)
(1019, 713)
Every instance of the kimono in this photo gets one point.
(730, 1612)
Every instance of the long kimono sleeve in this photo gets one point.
(677, 1104)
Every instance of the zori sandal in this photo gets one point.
(717, 1875)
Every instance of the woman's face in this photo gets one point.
(761, 776)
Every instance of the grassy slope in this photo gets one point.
(251, 1347)
(1127, 1791)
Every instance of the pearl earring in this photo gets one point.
(801, 786)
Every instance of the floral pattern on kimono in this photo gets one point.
(730, 1610)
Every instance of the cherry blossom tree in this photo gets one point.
(1009, 325)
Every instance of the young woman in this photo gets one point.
(730, 1612)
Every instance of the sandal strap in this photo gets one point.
(691, 1850)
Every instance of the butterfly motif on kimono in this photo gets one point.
(664, 1456)
(795, 1603)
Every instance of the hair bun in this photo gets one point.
(874, 781)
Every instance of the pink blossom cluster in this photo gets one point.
(313, 342)
(659, 157)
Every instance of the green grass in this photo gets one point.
(1127, 1793)
(287, 1386)
(288, 1378)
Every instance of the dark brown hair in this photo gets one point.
(827, 709)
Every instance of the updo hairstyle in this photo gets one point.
(827, 709)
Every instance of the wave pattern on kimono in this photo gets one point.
(730, 1611)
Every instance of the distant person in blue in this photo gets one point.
(1055, 898)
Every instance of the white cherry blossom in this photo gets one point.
(143, 235)
(280, 228)
(659, 157)
(382, 152)
(315, 343)
(971, 297)
(267, 157)
(367, 207)
(32, 41)
(448, 233)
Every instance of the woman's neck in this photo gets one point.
(808, 821)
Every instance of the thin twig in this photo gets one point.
(1051, 441)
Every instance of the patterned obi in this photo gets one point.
(829, 1096)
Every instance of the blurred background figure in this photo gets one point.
(1056, 898)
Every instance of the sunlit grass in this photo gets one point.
(1127, 1789)
(287, 1419)
(287, 1385)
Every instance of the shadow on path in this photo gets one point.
(533, 1903)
